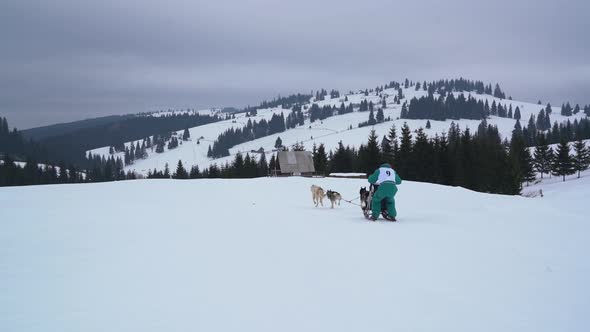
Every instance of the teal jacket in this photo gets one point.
(387, 179)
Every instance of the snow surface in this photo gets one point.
(215, 255)
(329, 131)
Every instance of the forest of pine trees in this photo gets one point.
(284, 102)
(72, 146)
(14, 144)
(442, 108)
(295, 118)
(251, 131)
(374, 119)
(463, 158)
(477, 160)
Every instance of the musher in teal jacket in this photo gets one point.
(387, 180)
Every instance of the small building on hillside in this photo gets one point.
(295, 163)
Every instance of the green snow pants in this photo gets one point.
(386, 192)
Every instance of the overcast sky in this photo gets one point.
(64, 60)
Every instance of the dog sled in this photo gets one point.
(366, 198)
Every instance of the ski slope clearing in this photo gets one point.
(215, 255)
(329, 132)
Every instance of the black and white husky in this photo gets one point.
(334, 197)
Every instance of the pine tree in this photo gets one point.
(577, 109)
(517, 113)
(166, 171)
(195, 173)
(494, 108)
(380, 116)
(428, 126)
(372, 120)
(392, 138)
(127, 157)
(547, 121)
(320, 159)
(63, 173)
(541, 120)
(4, 127)
(562, 163)
(186, 135)
(238, 165)
(250, 170)
(542, 156)
(403, 156)
(373, 155)
(278, 143)
(160, 147)
(272, 164)
(262, 165)
(404, 111)
(527, 167)
(422, 157)
(582, 157)
(532, 131)
(180, 171)
(518, 153)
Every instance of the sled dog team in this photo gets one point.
(318, 195)
(381, 200)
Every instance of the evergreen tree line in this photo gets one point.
(241, 167)
(373, 120)
(137, 151)
(12, 174)
(295, 118)
(72, 146)
(567, 131)
(345, 109)
(104, 169)
(475, 161)
(321, 113)
(366, 106)
(32, 173)
(251, 131)
(560, 162)
(284, 102)
(465, 85)
(451, 107)
(13, 143)
(446, 86)
(479, 161)
(320, 95)
(442, 108)
(567, 110)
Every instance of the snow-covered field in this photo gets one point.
(215, 255)
(329, 131)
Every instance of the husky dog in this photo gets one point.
(333, 196)
(365, 195)
(317, 193)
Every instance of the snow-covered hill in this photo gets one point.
(214, 255)
(329, 131)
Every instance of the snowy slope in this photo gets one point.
(329, 131)
(214, 255)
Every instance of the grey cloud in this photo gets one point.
(64, 60)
